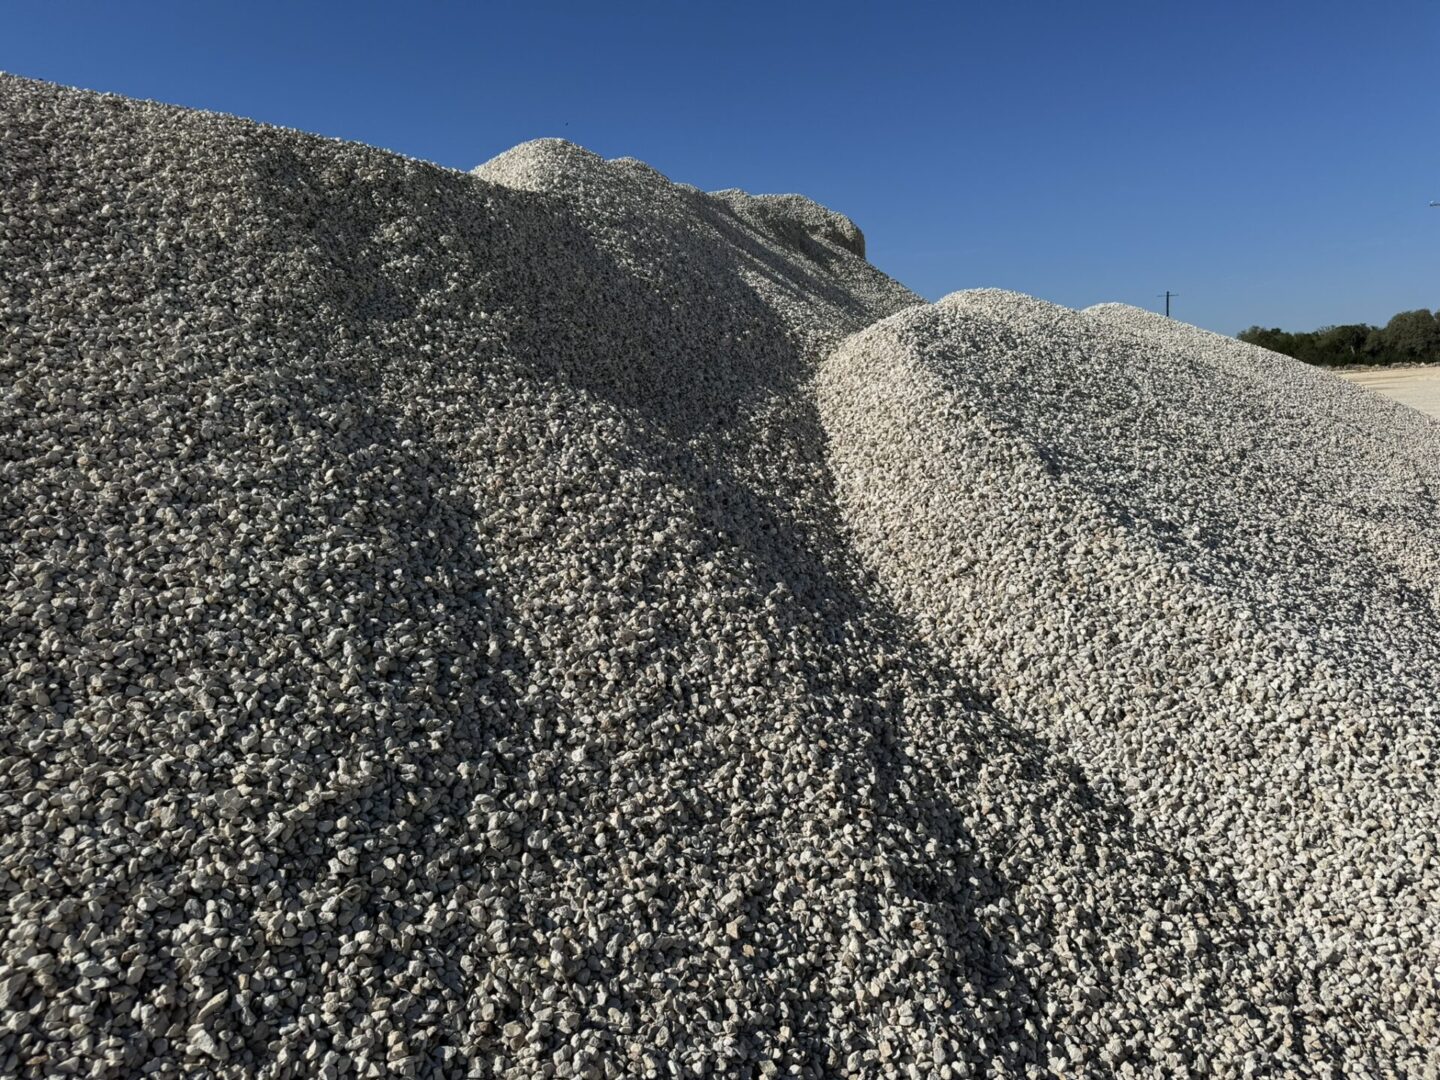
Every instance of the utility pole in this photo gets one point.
(1167, 294)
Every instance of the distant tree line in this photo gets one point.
(1411, 337)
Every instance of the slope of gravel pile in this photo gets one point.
(1209, 574)
(430, 647)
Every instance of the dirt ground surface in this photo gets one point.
(1418, 387)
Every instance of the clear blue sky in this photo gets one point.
(1269, 161)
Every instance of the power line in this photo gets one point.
(1167, 294)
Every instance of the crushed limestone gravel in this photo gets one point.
(1208, 573)
(433, 645)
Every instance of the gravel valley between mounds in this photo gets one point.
(552, 621)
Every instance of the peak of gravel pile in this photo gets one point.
(1208, 574)
(435, 644)
(793, 218)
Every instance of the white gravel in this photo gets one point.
(1208, 574)
(434, 643)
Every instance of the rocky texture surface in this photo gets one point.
(792, 218)
(1209, 574)
(432, 645)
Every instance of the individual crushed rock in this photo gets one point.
(1210, 576)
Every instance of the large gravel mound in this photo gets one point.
(431, 647)
(433, 643)
(1209, 574)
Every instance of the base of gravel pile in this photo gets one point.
(1417, 386)
(1209, 574)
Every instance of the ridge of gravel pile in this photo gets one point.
(1208, 574)
(431, 647)
(794, 218)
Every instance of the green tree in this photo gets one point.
(1342, 344)
(1410, 337)
(1274, 339)
(1413, 335)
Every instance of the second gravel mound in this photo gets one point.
(1206, 572)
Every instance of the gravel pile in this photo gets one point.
(1210, 576)
(434, 643)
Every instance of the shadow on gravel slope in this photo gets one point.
(615, 743)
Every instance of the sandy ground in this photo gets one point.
(1418, 387)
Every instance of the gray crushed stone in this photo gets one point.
(436, 643)
(1208, 574)
(793, 218)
